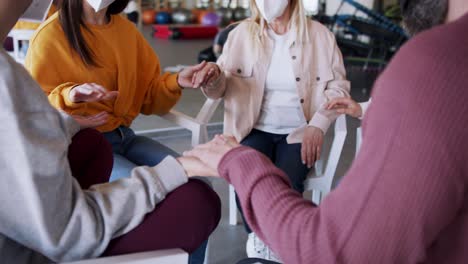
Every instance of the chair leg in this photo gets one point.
(316, 197)
(233, 219)
(207, 253)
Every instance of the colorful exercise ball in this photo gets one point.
(182, 16)
(225, 14)
(163, 18)
(148, 16)
(211, 19)
(200, 14)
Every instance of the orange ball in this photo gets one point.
(149, 16)
(200, 16)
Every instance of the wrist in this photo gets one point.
(178, 80)
(72, 95)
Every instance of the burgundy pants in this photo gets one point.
(185, 219)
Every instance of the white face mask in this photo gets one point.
(271, 9)
(99, 5)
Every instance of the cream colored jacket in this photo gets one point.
(317, 65)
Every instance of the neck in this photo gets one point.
(91, 17)
(456, 9)
(281, 24)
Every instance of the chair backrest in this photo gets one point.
(321, 178)
(19, 35)
(358, 139)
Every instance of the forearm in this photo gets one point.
(44, 208)
(275, 212)
(163, 94)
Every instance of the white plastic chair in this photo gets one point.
(197, 125)
(358, 139)
(171, 256)
(19, 35)
(320, 179)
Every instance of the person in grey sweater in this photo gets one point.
(45, 215)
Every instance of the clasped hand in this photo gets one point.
(204, 159)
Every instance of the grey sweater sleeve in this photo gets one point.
(42, 206)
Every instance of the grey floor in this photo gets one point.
(227, 244)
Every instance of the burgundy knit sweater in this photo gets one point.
(404, 200)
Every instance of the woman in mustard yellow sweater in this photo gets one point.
(92, 62)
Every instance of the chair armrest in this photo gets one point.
(171, 256)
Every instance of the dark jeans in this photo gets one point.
(185, 219)
(131, 151)
(285, 156)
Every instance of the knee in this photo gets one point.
(205, 201)
(92, 139)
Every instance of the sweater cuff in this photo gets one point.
(320, 121)
(172, 82)
(66, 97)
(170, 174)
(223, 167)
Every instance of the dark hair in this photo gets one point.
(72, 22)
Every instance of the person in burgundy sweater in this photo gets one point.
(404, 200)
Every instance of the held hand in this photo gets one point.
(345, 106)
(91, 92)
(211, 153)
(186, 76)
(91, 121)
(207, 75)
(195, 167)
(311, 146)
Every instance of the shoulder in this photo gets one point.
(124, 24)
(441, 50)
(18, 91)
(48, 31)
(315, 29)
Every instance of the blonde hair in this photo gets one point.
(257, 24)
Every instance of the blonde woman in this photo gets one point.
(277, 72)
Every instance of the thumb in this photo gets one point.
(199, 66)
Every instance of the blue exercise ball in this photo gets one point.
(163, 18)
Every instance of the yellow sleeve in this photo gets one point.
(163, 91)
(48, 77)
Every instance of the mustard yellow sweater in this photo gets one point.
(127, 64)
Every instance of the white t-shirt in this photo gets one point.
(281, 111)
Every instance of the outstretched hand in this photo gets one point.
(91, 121)
(91, 92)
(204, 159)
(345, 106)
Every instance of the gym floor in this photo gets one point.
(227, 244)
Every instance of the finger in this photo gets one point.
(194, 78)
(310, 155)
(345, 111)
(318, 153)
(199, 66)
(211, 79)
(338, 101)
(196, 153)
(98, 87)
(304, 153)
(111, 95)
(200, 77)
(84, 90)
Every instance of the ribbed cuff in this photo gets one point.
(172, 82)
(223, 167)
(320, 121)
(170, 174)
